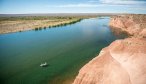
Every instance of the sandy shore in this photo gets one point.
(18, 25)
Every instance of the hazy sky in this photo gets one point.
(72, 6)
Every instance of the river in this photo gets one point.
(66, 49)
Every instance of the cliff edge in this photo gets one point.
(123, 61)
(134, 24)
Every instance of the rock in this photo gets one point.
(133, 24)
(123, 62)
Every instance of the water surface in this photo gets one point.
(66, 49)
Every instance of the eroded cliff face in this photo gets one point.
(134, 25)
(123, 61)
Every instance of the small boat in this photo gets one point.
(44, 64)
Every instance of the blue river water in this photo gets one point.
(66, 49)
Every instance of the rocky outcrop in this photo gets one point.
(134, 25)
(123, 61)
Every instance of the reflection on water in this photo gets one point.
(119, 33)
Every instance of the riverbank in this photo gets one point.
(132, 25)
(122, 58)
(24, 23)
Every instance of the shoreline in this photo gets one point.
(25, 25)
(128, 52)
(20, 23)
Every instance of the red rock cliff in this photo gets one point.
(123, 61)
(134, 25)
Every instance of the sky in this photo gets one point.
(72, 6)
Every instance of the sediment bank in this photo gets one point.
(24, 23)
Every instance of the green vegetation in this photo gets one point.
(23, 23)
